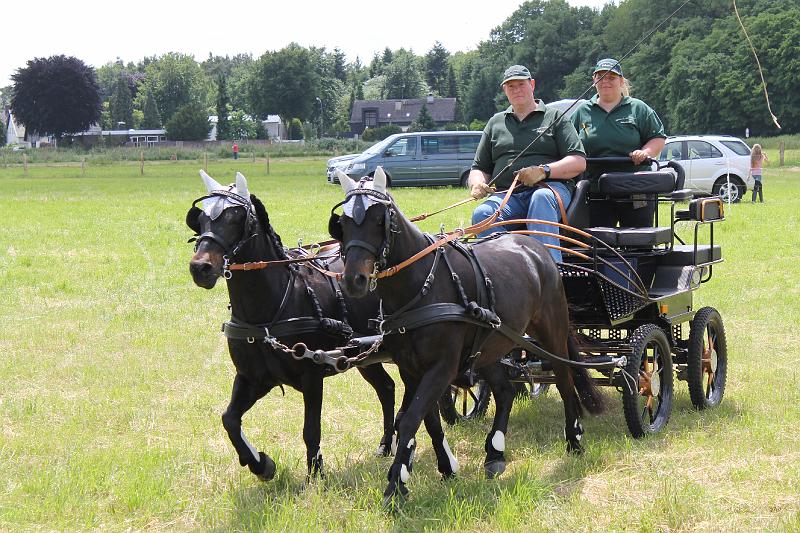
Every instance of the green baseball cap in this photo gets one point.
(608, 64)
(516, 72)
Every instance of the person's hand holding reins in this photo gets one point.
(480, 190)
(530, 176)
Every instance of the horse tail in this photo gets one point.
(591, 398)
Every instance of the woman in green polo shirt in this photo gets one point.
(612, 124)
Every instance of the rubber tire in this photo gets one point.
(452, 413)
(644, 337)
(705, 318)
(735, 180)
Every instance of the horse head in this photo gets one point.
(365, 230)
(222, 225)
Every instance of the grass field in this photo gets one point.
(115, 374)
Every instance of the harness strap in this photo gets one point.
(559, 200)
(238, 330)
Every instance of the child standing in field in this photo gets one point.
(235, 150)
(757, 158)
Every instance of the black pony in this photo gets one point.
(448, 312)
(273, 308)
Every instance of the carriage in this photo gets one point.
(630, 294)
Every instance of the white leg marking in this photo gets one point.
(450, 456)
(394, 444)
(499, 441)
(252, 450)
(404, 475)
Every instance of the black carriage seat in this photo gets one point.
(578, 209)
(624, 185)
(686, 255)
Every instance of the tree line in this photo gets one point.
(696, 70)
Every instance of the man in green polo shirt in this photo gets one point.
(505, 150)
(612, 124)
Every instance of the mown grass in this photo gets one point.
(115, 375)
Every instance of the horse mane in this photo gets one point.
(263, 219)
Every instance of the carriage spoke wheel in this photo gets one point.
(647, 393)
(707, 360)
(464, 403)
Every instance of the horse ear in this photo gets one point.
(241, 186)
(345, 181)
(193, 219)
(211, 184)
(335, 227)
(379, 180)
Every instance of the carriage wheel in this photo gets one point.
(462, 403)
(647, 390)
(707, 364)
(526, 390)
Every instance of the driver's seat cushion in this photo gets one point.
(632, 237)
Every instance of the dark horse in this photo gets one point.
(525, 293)
(294, 303)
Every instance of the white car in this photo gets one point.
(340, 163)
(714, 164)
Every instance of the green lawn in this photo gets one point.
(115, 374)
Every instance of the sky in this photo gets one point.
(101, 31)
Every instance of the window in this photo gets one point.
(404, 146)
(468, 144)
(671, 151)
(440, 144)
(737, 147)
(370, 118)
(703, 150)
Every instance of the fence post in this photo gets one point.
(205, 161)
(83, 166)
(25, 162)
(267, 163)
(141, 163)
(782, 149)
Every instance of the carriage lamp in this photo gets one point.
(663, 308)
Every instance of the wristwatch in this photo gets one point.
(546, 169)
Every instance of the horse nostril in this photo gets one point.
(360, 280)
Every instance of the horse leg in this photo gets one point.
(383, 384)
(573, 430)
(446, 462)
(243, 397)
(424, 395)
(312, 422)
(503, 392)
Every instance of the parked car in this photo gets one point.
(338, 163)
(566, 106)
(418, 159)
(714, 164)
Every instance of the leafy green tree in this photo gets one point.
(223, 109)
(189, 123)
(295, 129)
(284, 83)
(2, 133)
(175, 81)
(151, 119)
(56, 95)
(339, 65)
(424, 121)
(403, 77)
(242, 126)
(436, 68)
(452, 84)
(121, 103)
(5, 95)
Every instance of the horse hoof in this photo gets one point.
(494, 468)
(384, 450)
(393, 499)
(448, 476)
(264, 469)
(574, 448)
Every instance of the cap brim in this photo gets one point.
(515, 78)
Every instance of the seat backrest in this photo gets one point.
(621, 184)
(578, 209)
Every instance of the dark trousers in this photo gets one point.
(607, 213)
(757, 189)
